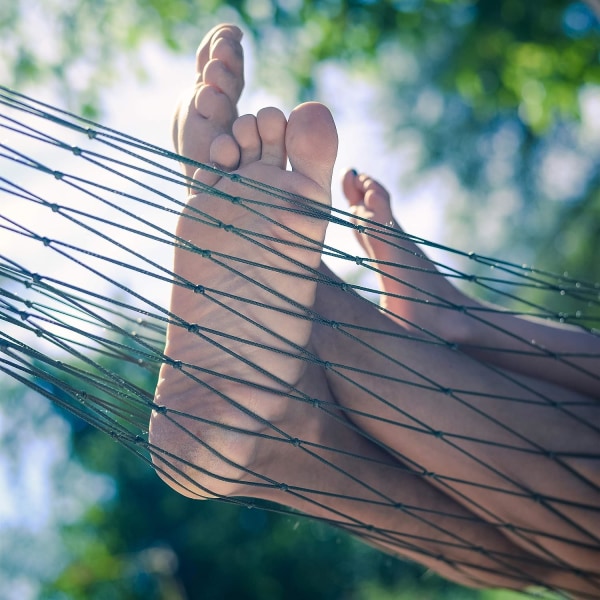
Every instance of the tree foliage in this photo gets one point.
(496, 54)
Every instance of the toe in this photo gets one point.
(271, 123)
(225, 69)
(198, 122)
(218, 75)
(211, 103)
(210, 108)
(352, 188)
(245, 132)
(311, 142)
(203, 54)
(225, 153)
(204, 177)
(377, 200)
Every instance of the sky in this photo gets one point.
(143, 110)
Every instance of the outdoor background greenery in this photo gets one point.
(492, 90)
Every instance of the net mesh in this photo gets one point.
(86, 276)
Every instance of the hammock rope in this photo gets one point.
(60, 332)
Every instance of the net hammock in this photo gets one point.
(85, 280)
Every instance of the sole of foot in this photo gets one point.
(243, 265)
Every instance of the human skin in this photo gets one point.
(492, 455)
(546, 475)
(420, 298)
(244, 406)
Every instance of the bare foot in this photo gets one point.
(421, 298)
(236, 299)
(414, 291)
(210, 108)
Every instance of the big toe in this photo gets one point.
(352, 188)
(311, 142)
(225, 69)
(211, 39)
(220, 64)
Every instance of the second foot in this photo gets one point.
(414, 292)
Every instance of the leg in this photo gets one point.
(224, 427)
(416, 293)
(494, 443)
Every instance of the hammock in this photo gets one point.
(85, 278)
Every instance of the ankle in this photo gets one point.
(451, 323)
